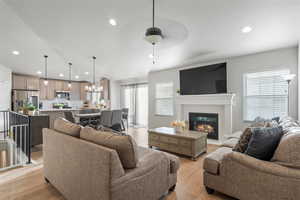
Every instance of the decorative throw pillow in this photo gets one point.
(264, 142)
(272, 123)
(276, 119)
(103, 128)
(64, 126)
(258, 124)
(287, 123)
(242, 144)
(123, 144)
(288, 151)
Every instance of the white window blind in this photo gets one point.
(164, 99)
(265, 95)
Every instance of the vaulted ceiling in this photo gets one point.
(194, 30)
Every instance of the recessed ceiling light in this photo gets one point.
(39, 72)
(16, 53)
(151, 55)
(113, 22)
(247, 29)
(86, 73)
(77, 77)
(61, 75)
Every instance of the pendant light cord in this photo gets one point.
(46, 67)
(70, 72)
(94, 70)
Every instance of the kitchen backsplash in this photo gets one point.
(48, 104)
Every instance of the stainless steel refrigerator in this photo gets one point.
(21, 97)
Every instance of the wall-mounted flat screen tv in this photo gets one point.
(211, 79)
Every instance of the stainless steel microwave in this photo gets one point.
(62, 95)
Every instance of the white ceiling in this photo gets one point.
(195, 30)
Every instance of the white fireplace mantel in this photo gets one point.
(225, 101)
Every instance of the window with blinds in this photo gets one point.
(164, 99)
(265, 95)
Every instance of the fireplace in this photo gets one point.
(205, 122)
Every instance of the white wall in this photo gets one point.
(298, 80)
(115, 94)
(5, 88)
(272, 60)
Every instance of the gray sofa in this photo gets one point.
(82, 170)
(246, 178)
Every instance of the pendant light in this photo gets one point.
(153, 34)
(94, 75)
(70, 75)
(93, 88)
(46, 71)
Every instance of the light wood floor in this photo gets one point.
(28, 183)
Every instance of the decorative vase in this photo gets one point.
(25, 111)
(31, 112)
(178, 129)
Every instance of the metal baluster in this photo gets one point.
(29, 142)
(25, 143)
(4, 124)
(21, 145)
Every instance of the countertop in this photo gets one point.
(38, 115)
(60, 110)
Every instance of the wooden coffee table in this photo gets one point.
(189, 143)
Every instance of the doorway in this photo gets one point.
(135, 98)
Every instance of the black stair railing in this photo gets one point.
(15, 137)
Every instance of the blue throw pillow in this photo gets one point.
(276, 119)
(264, 142)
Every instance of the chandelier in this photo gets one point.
(93, 88)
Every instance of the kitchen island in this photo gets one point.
(56, 113)
(37, 122)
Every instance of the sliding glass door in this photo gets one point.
(135, 98)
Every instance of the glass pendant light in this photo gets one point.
(46, 71)
(94, 74)
(70, 75)
(93, 88)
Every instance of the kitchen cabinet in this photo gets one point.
(75, 91)
(62, 85)
(66, 86)
(51, 90)
(83, 93)
(47, 92)
(43, 90)
(32, 83)
(19, 82)
(59, 86)
(23, 82)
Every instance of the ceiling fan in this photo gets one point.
(153, 34)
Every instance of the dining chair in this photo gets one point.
(117, 120)
(106, 118)
(125, 112)
(69, 116)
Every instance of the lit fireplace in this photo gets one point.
(205, 122)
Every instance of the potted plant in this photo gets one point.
(28, 109)
(31, 109)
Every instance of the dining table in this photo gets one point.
(88, 116)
